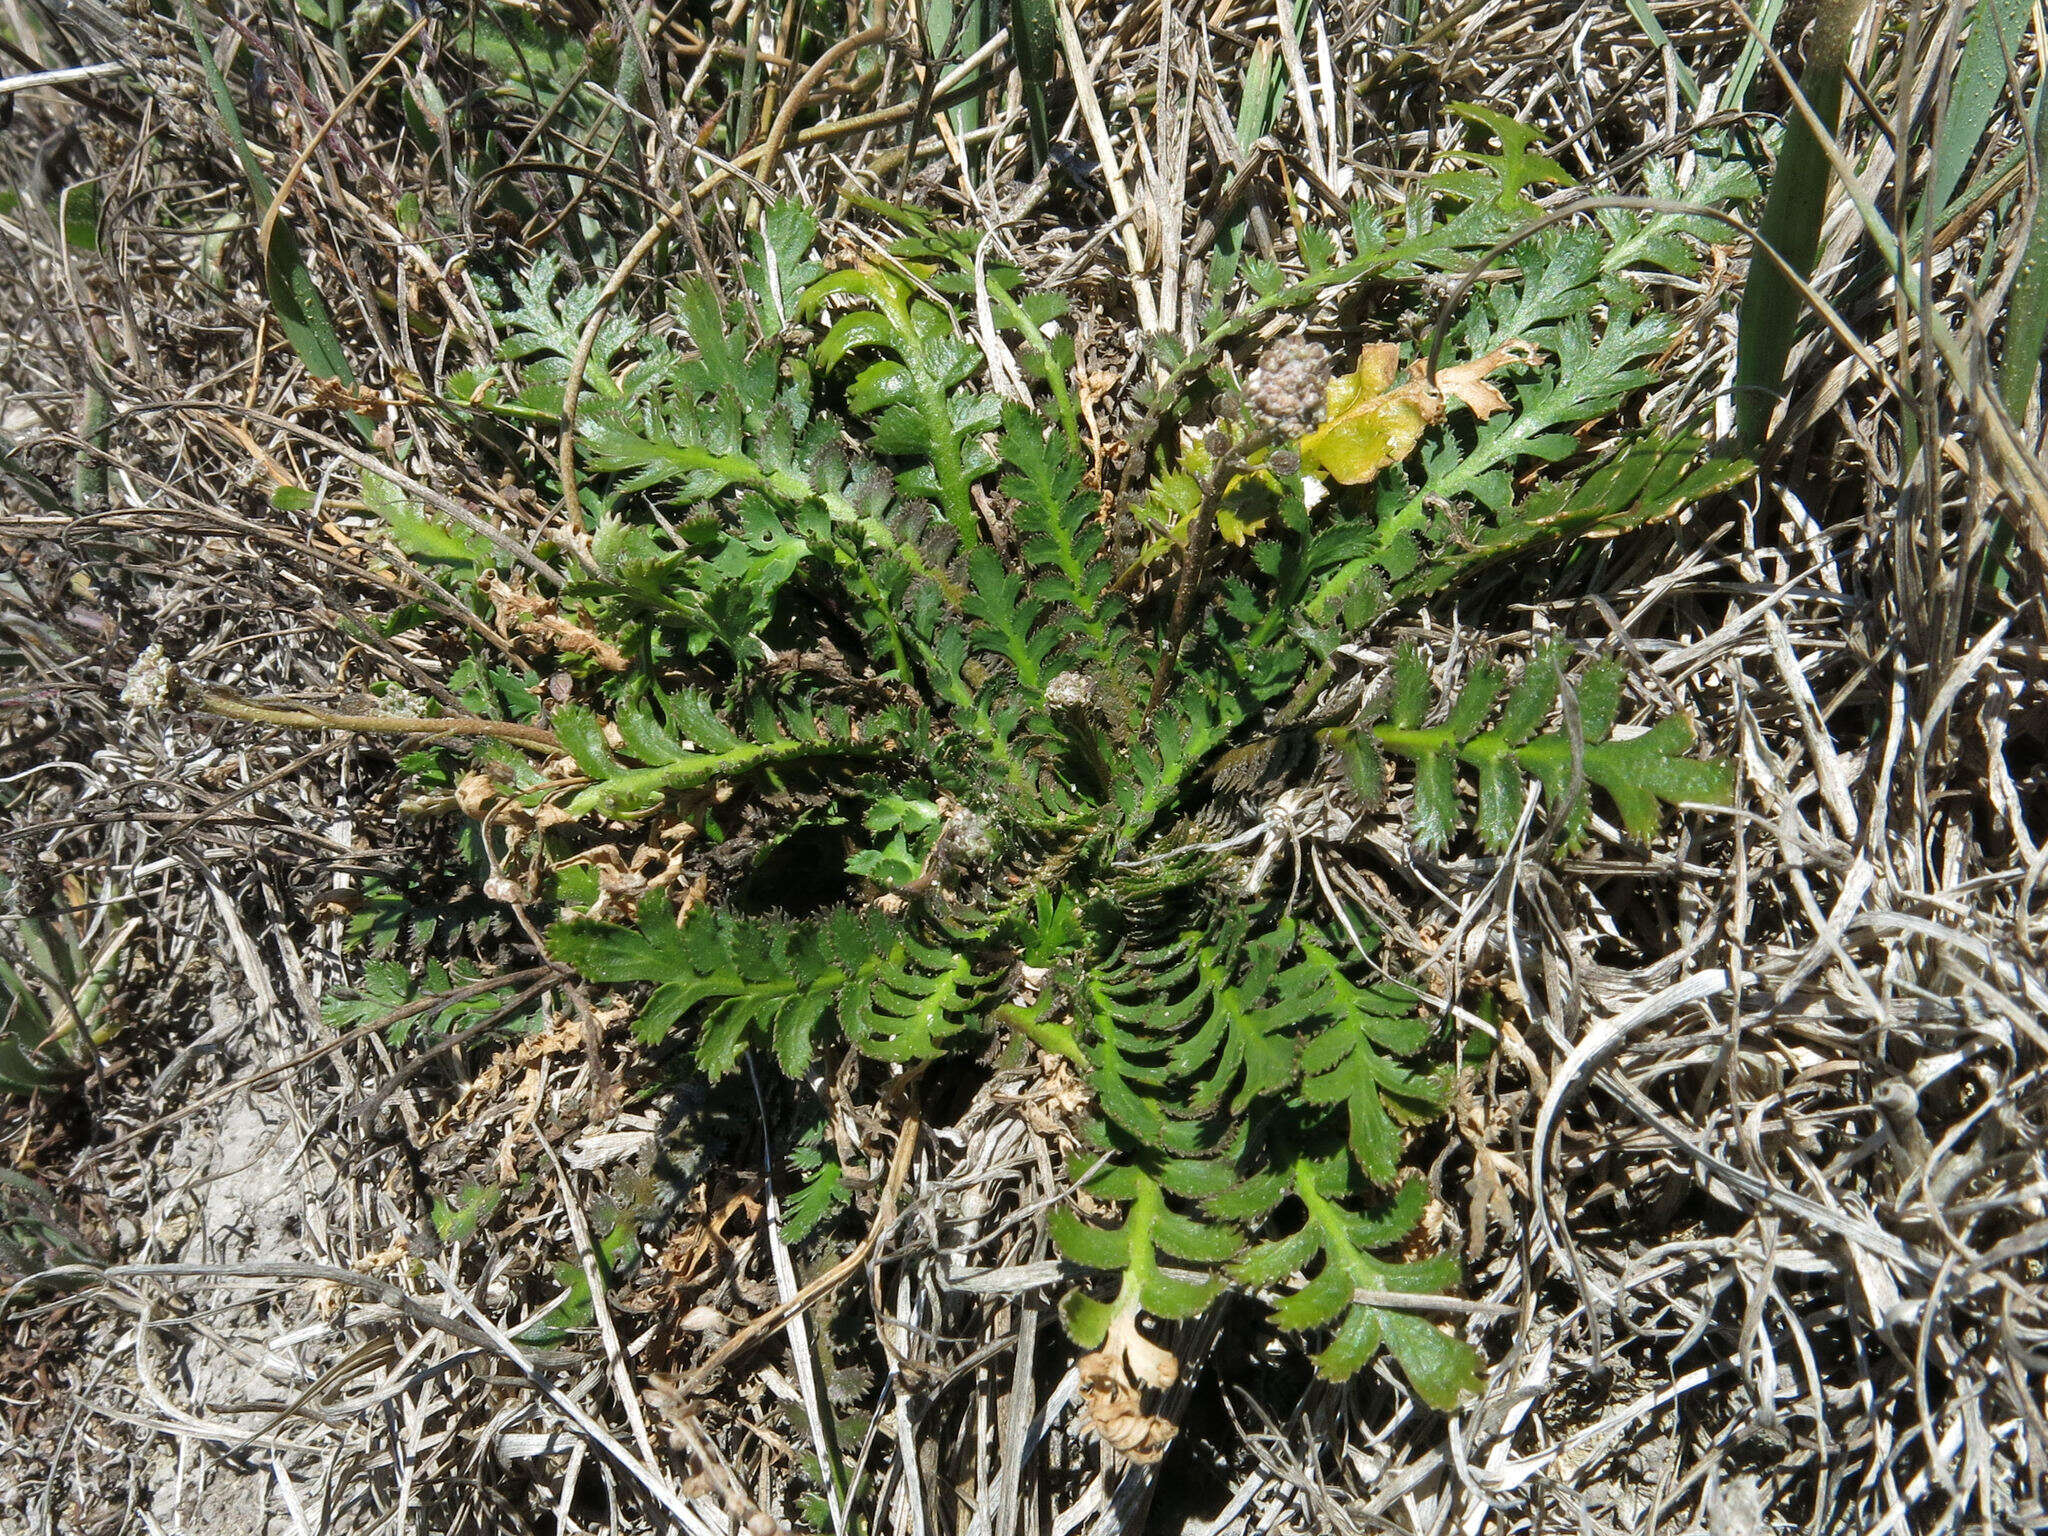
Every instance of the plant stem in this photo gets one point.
(230, 706)
(1229, 465)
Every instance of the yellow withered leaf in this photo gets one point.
(1377, 366)
(1374, 422)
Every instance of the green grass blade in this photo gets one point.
(15, 471)
(1653, 29)
(287, 281)
(1035, 41)
(2026, 328)
(1752, 58)
(1258, 109)
(1791, 223)
(1997, 33)
(955, 29)
(2026, 315)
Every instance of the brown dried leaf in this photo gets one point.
(1467, 382)
(1495, 1177)
(1110, 1382)
(541, 618)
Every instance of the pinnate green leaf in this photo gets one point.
(1443, 1370)
(1091, 1246)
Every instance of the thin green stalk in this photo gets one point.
(295, 299)
(750, 79)
(1055, 376)
(89, 469)
(14, 471)
(1225, 471)
(307, 717)
(1688, 82)
(1259, 100)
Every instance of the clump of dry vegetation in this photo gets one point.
(952, 768)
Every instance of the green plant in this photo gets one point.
(1065, 820)
(288, 282)
(56, 986)
(1034, 40)
(1790, 226)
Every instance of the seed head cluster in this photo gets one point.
(1070, 690)
(1289, 390)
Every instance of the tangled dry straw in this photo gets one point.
(1754, 1193)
